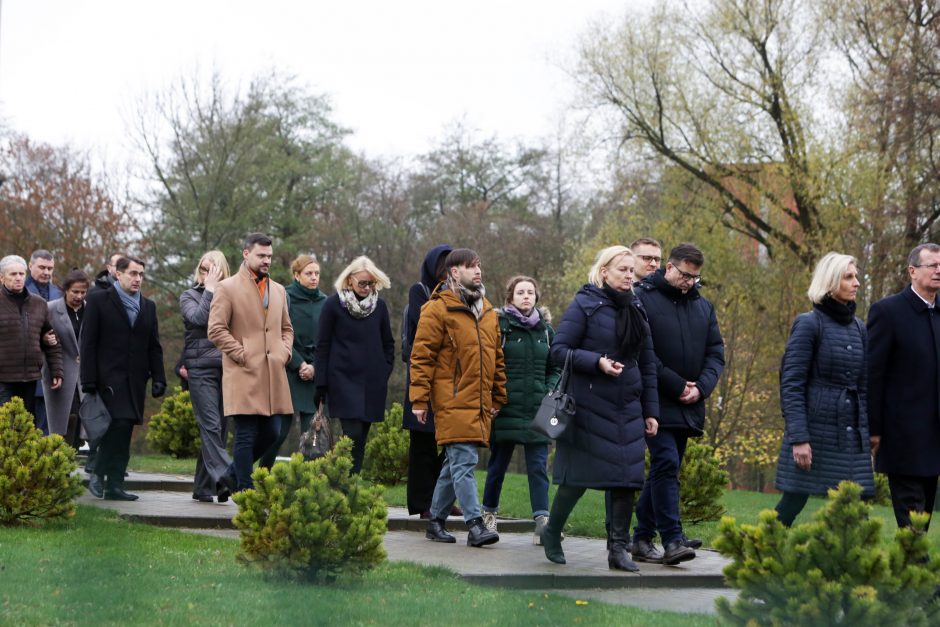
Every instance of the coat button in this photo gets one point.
(849, 347)
(848, 429)
(268, 352)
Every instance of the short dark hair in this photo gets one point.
(41, 253)
(461, 257)
(124, 262)
(687, 252)
(646, 241)
(256, 239)
(74, 276)
(914, 258)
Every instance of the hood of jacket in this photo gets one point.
(431, 261)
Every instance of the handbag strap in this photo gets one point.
(562, 382)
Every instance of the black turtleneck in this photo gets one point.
(843, 313)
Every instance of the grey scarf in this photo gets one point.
(472, 297)
(358, 308)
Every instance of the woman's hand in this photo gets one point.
(803, 455)
(306, 372)
(609, 367)
(652, 427)
(213, 277)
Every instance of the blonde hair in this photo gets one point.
(216, 258)
(302, 262)
(603, 259)
(828, 274)
(362, 264)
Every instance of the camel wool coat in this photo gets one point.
(256, 346)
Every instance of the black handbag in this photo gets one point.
(556, 412)
(95, 418)
(318, 440)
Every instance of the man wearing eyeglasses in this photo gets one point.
(691, 353)
(249, 322)
(903, 386)
(648, 254)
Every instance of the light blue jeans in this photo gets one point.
(456, 482)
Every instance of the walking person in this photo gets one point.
(305, 302)
(904, 386)
(424, 460)
(530, 374)
(250, 324)
(39, 282)
(823, 393)
(120, 352)
(613, 381)
(66, 315)
(355, 353)
(201, 366)
(457, 368)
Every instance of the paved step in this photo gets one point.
(139, 481)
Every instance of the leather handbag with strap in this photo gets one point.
(556, 412)
(318, 440)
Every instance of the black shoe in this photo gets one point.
(676, 552)
(479, 535)
(119, 494)
(692, 543)
(551, 542)
(224, 488)
(203, 498)
(645, 551)
(619, 559)
(437, 533)
(96, 486)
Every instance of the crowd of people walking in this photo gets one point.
(639, 348)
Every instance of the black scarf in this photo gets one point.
(630, 322)
(841, 313)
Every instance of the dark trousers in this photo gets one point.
(253, 436)
(536, 464)
(26, 390)
(789, 506)
(114, 452)
(911, 494)
(213, 462)
(424, 467)
(286, 422)
(358, 432)
(658, 507)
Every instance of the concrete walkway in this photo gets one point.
(514, 562)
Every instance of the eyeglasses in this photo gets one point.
(365, 283)
(695, 278)
(649, 258)
(204, 269)
(933, 266)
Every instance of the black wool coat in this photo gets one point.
(353, 361)
(903, 384)
(823, 396)
(689, 348)
(607, 446)
(117, 358)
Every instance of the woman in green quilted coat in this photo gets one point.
(530, 374)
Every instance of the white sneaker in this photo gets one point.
(489, 521)
(541, 522)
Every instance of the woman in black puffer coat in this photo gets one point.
(823, 382)
(613, 381)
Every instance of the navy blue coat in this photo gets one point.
(689, 348)
(353, 360)
(824, 400)
(607, 447)
(417, 296)
(903, 384)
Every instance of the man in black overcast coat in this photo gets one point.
(904, 388)
(120, 351)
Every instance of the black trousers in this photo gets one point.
(790, 506)
(253, 436)
(424, 467)
(26, 390)
(114, 452)
(909, 493)
(358, 432)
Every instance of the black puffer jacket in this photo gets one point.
(688, 345)
(823, 394)
(198, 350)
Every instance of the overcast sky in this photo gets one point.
(396, 72)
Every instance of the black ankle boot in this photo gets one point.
(621, 510)
(479, 535)
(437, 533)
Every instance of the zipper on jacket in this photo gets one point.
(457, 372)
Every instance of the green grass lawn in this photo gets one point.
(164, 464)
(99, 569)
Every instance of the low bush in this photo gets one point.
(37, 480)
(386, 458)
(702, 483)
(312, 520)
(174, 431)
(882, 491)
(831, 571)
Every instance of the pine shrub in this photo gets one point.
(37, 473)
(386, 458)
(882, 490)
(702, 483)
(312, 520)
(174, 430)
(831, 571)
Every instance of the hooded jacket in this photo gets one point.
(457, 367)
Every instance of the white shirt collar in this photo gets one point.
(930, 304)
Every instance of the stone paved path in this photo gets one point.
(513, 562)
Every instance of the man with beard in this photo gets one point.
(457, 368)
(250, 323)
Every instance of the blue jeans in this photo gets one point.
(536, 465)
(658, 507)
(456, 482)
